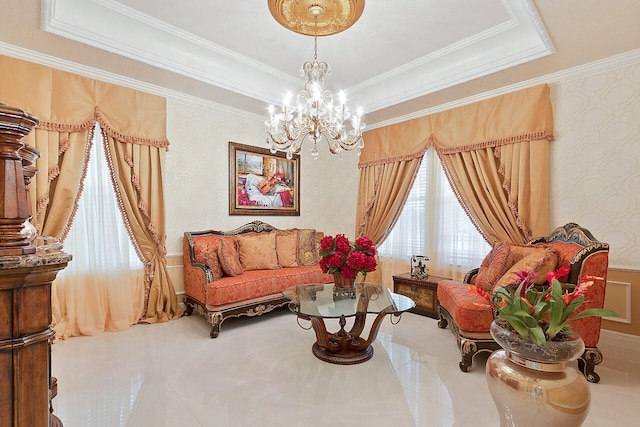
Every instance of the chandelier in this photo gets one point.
(315, 115)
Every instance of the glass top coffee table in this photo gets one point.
(316, 302)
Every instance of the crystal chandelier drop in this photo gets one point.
(314, 115)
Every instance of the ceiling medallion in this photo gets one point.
(316, 17)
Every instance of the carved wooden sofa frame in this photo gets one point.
(588, 249)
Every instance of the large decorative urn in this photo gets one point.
(535, 385)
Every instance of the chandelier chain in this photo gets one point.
(315, 49)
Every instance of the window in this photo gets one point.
(433, 223)
(102, 288)
(98, 227)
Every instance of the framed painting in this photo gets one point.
(262, 183)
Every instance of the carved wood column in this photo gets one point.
(27, 268)
(15, 207)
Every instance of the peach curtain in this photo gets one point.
(388, 185)
(139, 169)
(68, 107)
(496, 156)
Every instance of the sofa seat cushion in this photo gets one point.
(469, 310)
(260, 283)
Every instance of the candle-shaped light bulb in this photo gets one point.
(358, 119)
(343, 97)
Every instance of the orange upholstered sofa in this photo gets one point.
(243, 272)
(568, 246)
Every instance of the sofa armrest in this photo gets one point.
(196, 274)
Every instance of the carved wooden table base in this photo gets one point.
(317, 302)
(342, 347)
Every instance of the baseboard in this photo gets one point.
(621, 346)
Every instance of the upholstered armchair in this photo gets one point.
(568, 246)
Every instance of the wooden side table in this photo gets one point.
(422, 291)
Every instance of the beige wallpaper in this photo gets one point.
(595, 160)
(595, 172)
(197, 178)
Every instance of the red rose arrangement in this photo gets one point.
(340, 255)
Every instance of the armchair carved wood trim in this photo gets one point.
(577, 249)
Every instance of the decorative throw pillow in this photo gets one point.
(319, 235)
(202, 244)
(211, 260)
(287, 248)
(307, 254)
(540, 261)
(258, 252)
(229, 256)
(518, 252)
(493, 266)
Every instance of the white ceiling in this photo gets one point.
(404, 58)
(399, 50)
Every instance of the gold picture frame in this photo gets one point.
(262, 183)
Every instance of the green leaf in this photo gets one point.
(598, 312)
(517, 324)
(537, 336)
(542, 309)
(522, 313)
(568, 310)
(556, 290)
(557, 310)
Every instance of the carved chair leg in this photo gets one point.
(468, 349)
(216, 320)
(189, 310)
(442, 322)
(215, 330)
(587, 363)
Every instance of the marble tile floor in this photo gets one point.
(261, 371)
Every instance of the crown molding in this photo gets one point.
(143, 38)
(519, 39)
(98, 74)
(557, 78)
(519, 36)
(560, 77)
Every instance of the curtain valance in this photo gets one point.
(134, 129)
(66, 102)
(525, 115)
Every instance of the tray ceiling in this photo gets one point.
(398, 51)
